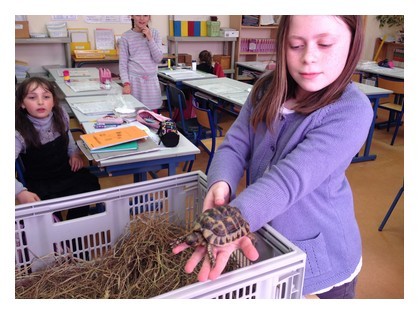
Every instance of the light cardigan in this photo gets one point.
(304, 194)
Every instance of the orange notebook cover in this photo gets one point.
(112, 137)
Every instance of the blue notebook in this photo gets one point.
(119, 147)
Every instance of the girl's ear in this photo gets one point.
(22, 106)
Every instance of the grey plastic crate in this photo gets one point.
(278, 273)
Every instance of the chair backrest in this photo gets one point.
(396, 86)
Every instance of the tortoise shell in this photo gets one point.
(216, 226)
(221, 225)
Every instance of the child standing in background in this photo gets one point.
(139, 56)
(297, 134)
(43, 140)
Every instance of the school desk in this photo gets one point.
(140, 164)
(373, 68)
(224, 89)
(177, 75)
(88, 108)
(76, 73)
(79, 62)
(236, 92)
(68, 92)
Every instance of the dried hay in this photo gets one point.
(141, 265)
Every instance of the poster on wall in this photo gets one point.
(94, 19)
(64, 17)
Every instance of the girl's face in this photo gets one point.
(317, 50)
(38, 102)
(141, 21)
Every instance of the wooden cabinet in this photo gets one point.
(256, 42)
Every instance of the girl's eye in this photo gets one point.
(296, 46)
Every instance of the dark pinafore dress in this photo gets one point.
(48, 174)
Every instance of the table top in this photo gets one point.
(370, 90)
(180, 75)
(68, 92)
(77, 73)
(225, 88)
(372, 67)
(104, 103)
(259, 66)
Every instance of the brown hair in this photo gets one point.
(23, 125)
(205, 57)
(273, 89)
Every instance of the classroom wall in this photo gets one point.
(38, 55)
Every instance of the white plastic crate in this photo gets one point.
(57, 29)
(277, 274)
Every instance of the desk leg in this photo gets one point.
(142, 176)
(366, 156)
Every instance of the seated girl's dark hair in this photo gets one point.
(205, 57)
(23, 125)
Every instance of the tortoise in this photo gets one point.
(216, 226)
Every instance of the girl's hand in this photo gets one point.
(27, 197)
(147, 33)
(218, 195)
(126, 90)
(76, 162)
(221, 255)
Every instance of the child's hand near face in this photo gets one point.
(76, 162)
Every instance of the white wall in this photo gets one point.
(38, 55)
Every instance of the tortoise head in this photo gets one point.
(195, 238)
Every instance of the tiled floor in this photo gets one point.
(374, 184)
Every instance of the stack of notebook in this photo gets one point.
(117, 142)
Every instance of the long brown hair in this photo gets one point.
(273, 89)
(22, 123)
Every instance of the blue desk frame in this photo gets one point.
(141, 168)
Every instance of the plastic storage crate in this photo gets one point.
(277, 274)
(213, 28)
(57, 29)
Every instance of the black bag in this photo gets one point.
(168, 133)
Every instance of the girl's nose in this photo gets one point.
(310, 54)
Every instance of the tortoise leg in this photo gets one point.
(210, 255)
(178, 241)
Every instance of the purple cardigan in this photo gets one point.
(298, 183)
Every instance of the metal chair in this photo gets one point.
(390, 210)
(205, 120)
(395, 104)
(176, 100)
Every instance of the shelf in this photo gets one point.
(199, 39)
(45, 41)
(56, 40)
(263, 37)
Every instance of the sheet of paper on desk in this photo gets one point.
(84, 85)
(94, 107)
